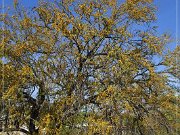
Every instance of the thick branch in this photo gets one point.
(14, 130)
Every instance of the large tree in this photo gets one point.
(87, 67)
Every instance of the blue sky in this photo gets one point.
(166, 15)
(167, 18)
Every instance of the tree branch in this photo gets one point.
(15, 130)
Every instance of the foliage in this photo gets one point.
(87, 67)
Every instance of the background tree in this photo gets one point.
(87, 67)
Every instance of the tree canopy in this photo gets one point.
(87, 67)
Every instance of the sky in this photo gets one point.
(167, 16)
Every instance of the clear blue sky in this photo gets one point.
(166, 15)
(167, 18)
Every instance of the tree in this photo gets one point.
(87, 67)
